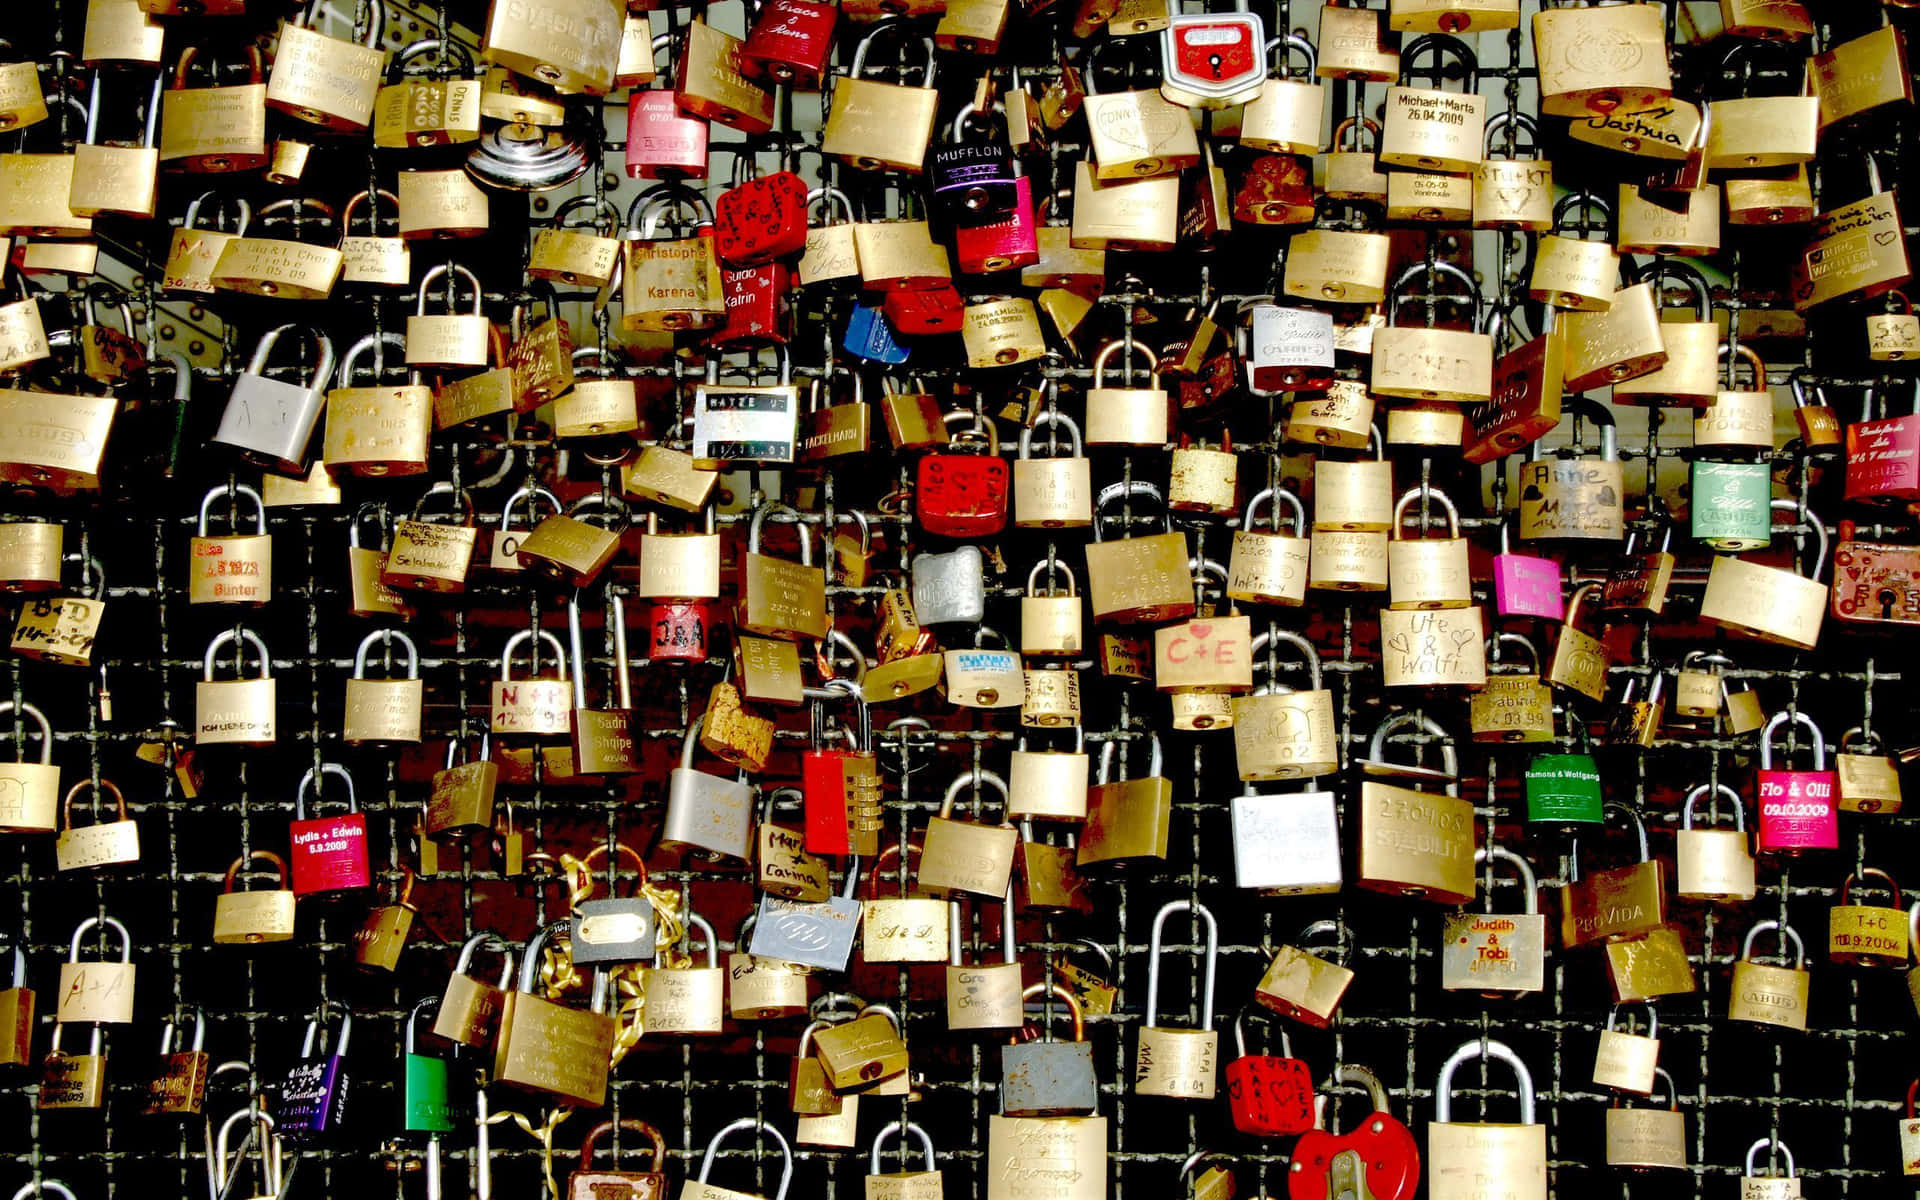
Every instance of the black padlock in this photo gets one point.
(972, 174)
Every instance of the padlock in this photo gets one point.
(1354, 173)
(114, 177)
(180, 1089)
(573, 549)
(1575, 82)
(313, 1098)
(1729, 504)
(1686, 222)
(662, 141)
(425, 1103)
(1514, 193)
(216, 128)
(1139, 133)
(1345, 560)
(1217, 60)
(1178, 1063)
(1626, 1059)
(231, 570)
(1564, 790)
(426, 556)
(973, 180)
(1792, 606)
(411, 111)
(1764, 994)
(284, 267)
(547, 1047)
(779, 598)
(327, 854)
(1581, 661)
(21, 101)
(1867, 935)
(761, 218)
(762, 989)
(382, 936)
(380, 430)
(449, 339)
(904, 1185)
(1462, 1156)
(706, 813)
(1640, 581)
(1430, 647)
(710, 81)
(1512, 707)
(1049, 785)
(1000, 330)
(949, 587)
(327, 81)
(1713, 864)
(1769, 1186)
(1525, 585)
(233, 711)
(1286, 844)
(1285, 117)
(1379, 1157)
(1270, 568)
(1443, 365)
(1136, 580)
(72, 1081)
(1869, 779)
(1288, 349)
(809, 934)
(1268, 1095)
(1738, 419)
(1047, 1078)
(249, 918)
(1690, 376)
(963, 856)
(902, 929)
(270, 421)
(1414, 843)
(1844, 259)
(1647, 1139)
(102, 843)
(964, 495)
(1797, 810)
(572, 46)
(1570, 271)
(569, 253)
(882, 126)
(691, 999)
(864, 1051)
(539, 706)
(1819, 425)
(469, 1009)
(1622, 342)
(670, 284)
(1303, 986)
(1615, 903)
(1431, 129)
(1760, 132)
(1497, 954)
(1894, 334)
(17, 1015)
(1050, 624)
(1124, 214)
(790, 42)
(1428, 573)
(1126, 415)
(700, 1189)
(988, 995)
(1883, 457)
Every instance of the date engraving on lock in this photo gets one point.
(756, 426)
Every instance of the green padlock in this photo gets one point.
(429, 1108)
(1729, 503)
(1563, 790)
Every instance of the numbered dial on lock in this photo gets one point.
(1213, 60)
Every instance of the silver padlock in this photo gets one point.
(707, 813)
(950, 588)
(816, 934)
(1287, 844)
(268, 421)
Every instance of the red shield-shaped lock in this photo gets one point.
(1380, 1158)
(962, 495)
(1269, 1096)
(756, 305)
(1798, 811)
(791, 42)
(677, 633)
(662, 141)
(1011, 242)
(1883, 459)
(761, 220)
(329, 853)
(936, 310)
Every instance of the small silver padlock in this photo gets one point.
(949, 588)
(270, 422)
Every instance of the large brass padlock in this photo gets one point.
(1462, 1157)
(1438, 365)
(1415, 843)
(1430, 129)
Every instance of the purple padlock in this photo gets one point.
(313, 1100)
(1525, 586)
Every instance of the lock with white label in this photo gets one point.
(1213, 60)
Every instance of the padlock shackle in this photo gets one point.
(1492, 854)
(1791, 717)
(108, 923)
(120, 801)
(239, 491)
(279, 864)
(1275, 496)
(312, 779)
(1052, 418)
(1521, 122)
(1075, 1014)
(657, 1144)
(1513, 639)
(546, 637)
(893, 850)
(1263, 644)
(1775, 1144)
(1846, 886)
(1033, 578)
(535, 947)
(1112, 348)
(490, 941)
(1449, 759)
(1819, 532)
(901, 1129)
(53, 1187)
(1154, 763)
(1240, 1031)
(974, 779)
(531, 494)
(1482, 1048)
(1723, 790)
(420, 1006)
(1653, 1017)
(171, 1027)
(1201, 915)
(765, 1131)
(1783, 933)
(374, 344)
(1433, 493)
(39, 719)
(386, 637)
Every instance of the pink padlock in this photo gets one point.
(1005, 244)
(1797, 809)
(1525, 586)
(329, 853)
(662, 141)
(1883, 459)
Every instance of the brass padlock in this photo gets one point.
(1285, 117)
(1764, 994)
(573, 45)
(572, 548)
(1427, 572)
(1415, 843)
(325, 81)
(1738, 418)
(380, 430)
(1303, 986)
(432, 557)
(1868, 778)
(1446, 365)
(1137, 133)
(1514, 706)
(1431, 129)
(449, 339)
(287, 268)
(1354, 174)
(1181, 1064)
(235, 711)
(1497, 954)
(1684, 223)
(1625, 1060)
(1768, 603)
(1860, 75)
(1137, 579)
(413, 111)
(387, 710)
(1616, 903)
(1845, 256)
(1509, 193)
(1460, 1155)
(882, 126)
(1577, 82)
(1621, 342)
(1126, 415)
(1270, 568)
(1570, 271)
(1864, 935)
(1713, 864)
(115, 177)
(440, 205)
(539, 706)
(1124, 214)
(1281, 732)
(1127, 818)
(967, 856)
(1893, 335)
(1051, 624)
(1691, 375)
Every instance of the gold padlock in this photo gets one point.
(1573, 272)
(1413, 843)
(572, 44)
(1430, 129)
(325, 81)
(1622, 342)
(1428, 572)
(1869, 779)
(1577, 79)
(1510, 193)
(371, 258)
(1684, 223)
(1691, 375)
(1445, 365)
(1514, 706)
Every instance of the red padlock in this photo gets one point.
(790, 43)
(1379, 1159)
(823, 777)
(1883, 459)
(1013, 241)
(761, 219)
(936, 310)
(329, 853)
(757, 305)
(1268, 1095)
(1875, 582)
(677, 632)
(1798, 811)
(662, 141)
(963, 495)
